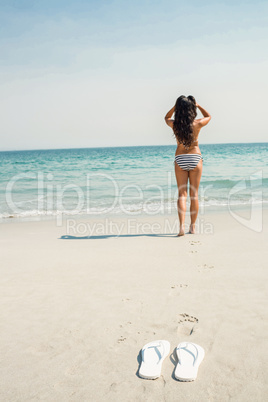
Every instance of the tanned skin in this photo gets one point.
(194, 175)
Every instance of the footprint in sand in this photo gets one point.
(126, 330)
(114, 387)
(121, 339)
(187, 324)
(194, 243)
(122, 326)
(177, 287)
(205, 268)
(181, 285)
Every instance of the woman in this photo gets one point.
(188, 158)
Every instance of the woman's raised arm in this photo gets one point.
(169, 115)
(205, 120)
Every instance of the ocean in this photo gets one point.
(128, 181)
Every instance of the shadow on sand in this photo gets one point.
(69, 237)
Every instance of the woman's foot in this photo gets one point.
(192, 228)
(181, 232)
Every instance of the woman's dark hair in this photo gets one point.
(185, 113)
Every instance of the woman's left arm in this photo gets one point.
(168, 116)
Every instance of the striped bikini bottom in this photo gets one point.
(188, 161)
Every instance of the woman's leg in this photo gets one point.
(182, 179)
(194, 178)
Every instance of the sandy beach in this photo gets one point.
(76, 310)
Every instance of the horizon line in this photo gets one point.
(128, 146)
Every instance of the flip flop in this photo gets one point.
(153, 355)
(189, 356)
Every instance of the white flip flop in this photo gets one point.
(189, 356)
(153, 355)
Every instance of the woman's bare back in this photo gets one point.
(194, 148)
(197, 125)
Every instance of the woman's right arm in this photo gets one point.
(205, 120)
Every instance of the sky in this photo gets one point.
(77, 73)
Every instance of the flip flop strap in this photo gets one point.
(187, 350)
(156, 350)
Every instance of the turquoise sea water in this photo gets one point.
(125, 180)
